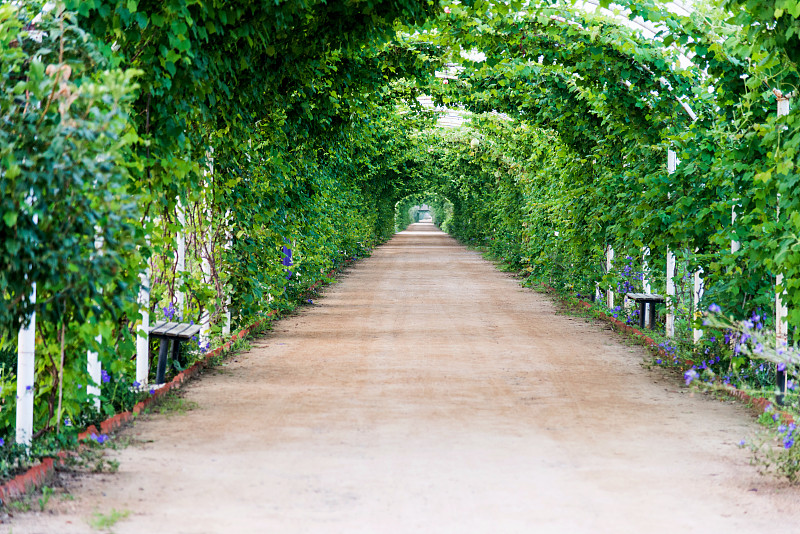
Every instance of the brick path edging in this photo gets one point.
(41, 473)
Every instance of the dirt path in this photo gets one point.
(428, 392)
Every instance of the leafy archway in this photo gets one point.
(240, 129)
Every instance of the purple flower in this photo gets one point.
(136, 384)
(781, 367)
(758, 349)
(747, 324)
(2, 442)
(105, 377)
(714, 308)
(152, 391)
(775, 417)
(788, 442)
(742, 443)
(28, 388)
(658, 361)
(102, 438)
(689, 375)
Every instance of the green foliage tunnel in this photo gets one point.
(250, 127)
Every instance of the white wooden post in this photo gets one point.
(697, 295)
(609, 265)
(26, 367)
(226, 328)
(205, 318)
(646, 284)
(735, 245)
(95, 369)
(180, 260)
(143, 331)
(93, 366)
(205, 263)
(781, 309)
(672, 165)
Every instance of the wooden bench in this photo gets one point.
(643, 299)
(170, 334)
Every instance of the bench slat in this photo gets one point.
(176, 330)
(164, 328)
(649, 297)
(186, 332)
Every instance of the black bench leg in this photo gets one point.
(176, 349)
(652, 315)
(642, 308)
(780, 379)
(162, 360)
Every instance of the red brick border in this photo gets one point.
(33, 478)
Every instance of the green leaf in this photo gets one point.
(13, 171)
(10, 218)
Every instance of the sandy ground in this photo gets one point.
(428, 392)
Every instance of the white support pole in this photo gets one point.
(95, 369)
(180, 260)
(646, 284)
(205, 260)
(205, 318)
(672, 165)
(226, 328)
(143, 331)
(781, 309)
(609, 265)
(697, 296)
(735, 245)
(26, 367)
(781, 313)
(670, 319)
(93, 366)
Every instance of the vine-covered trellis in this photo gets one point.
(157, 157)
